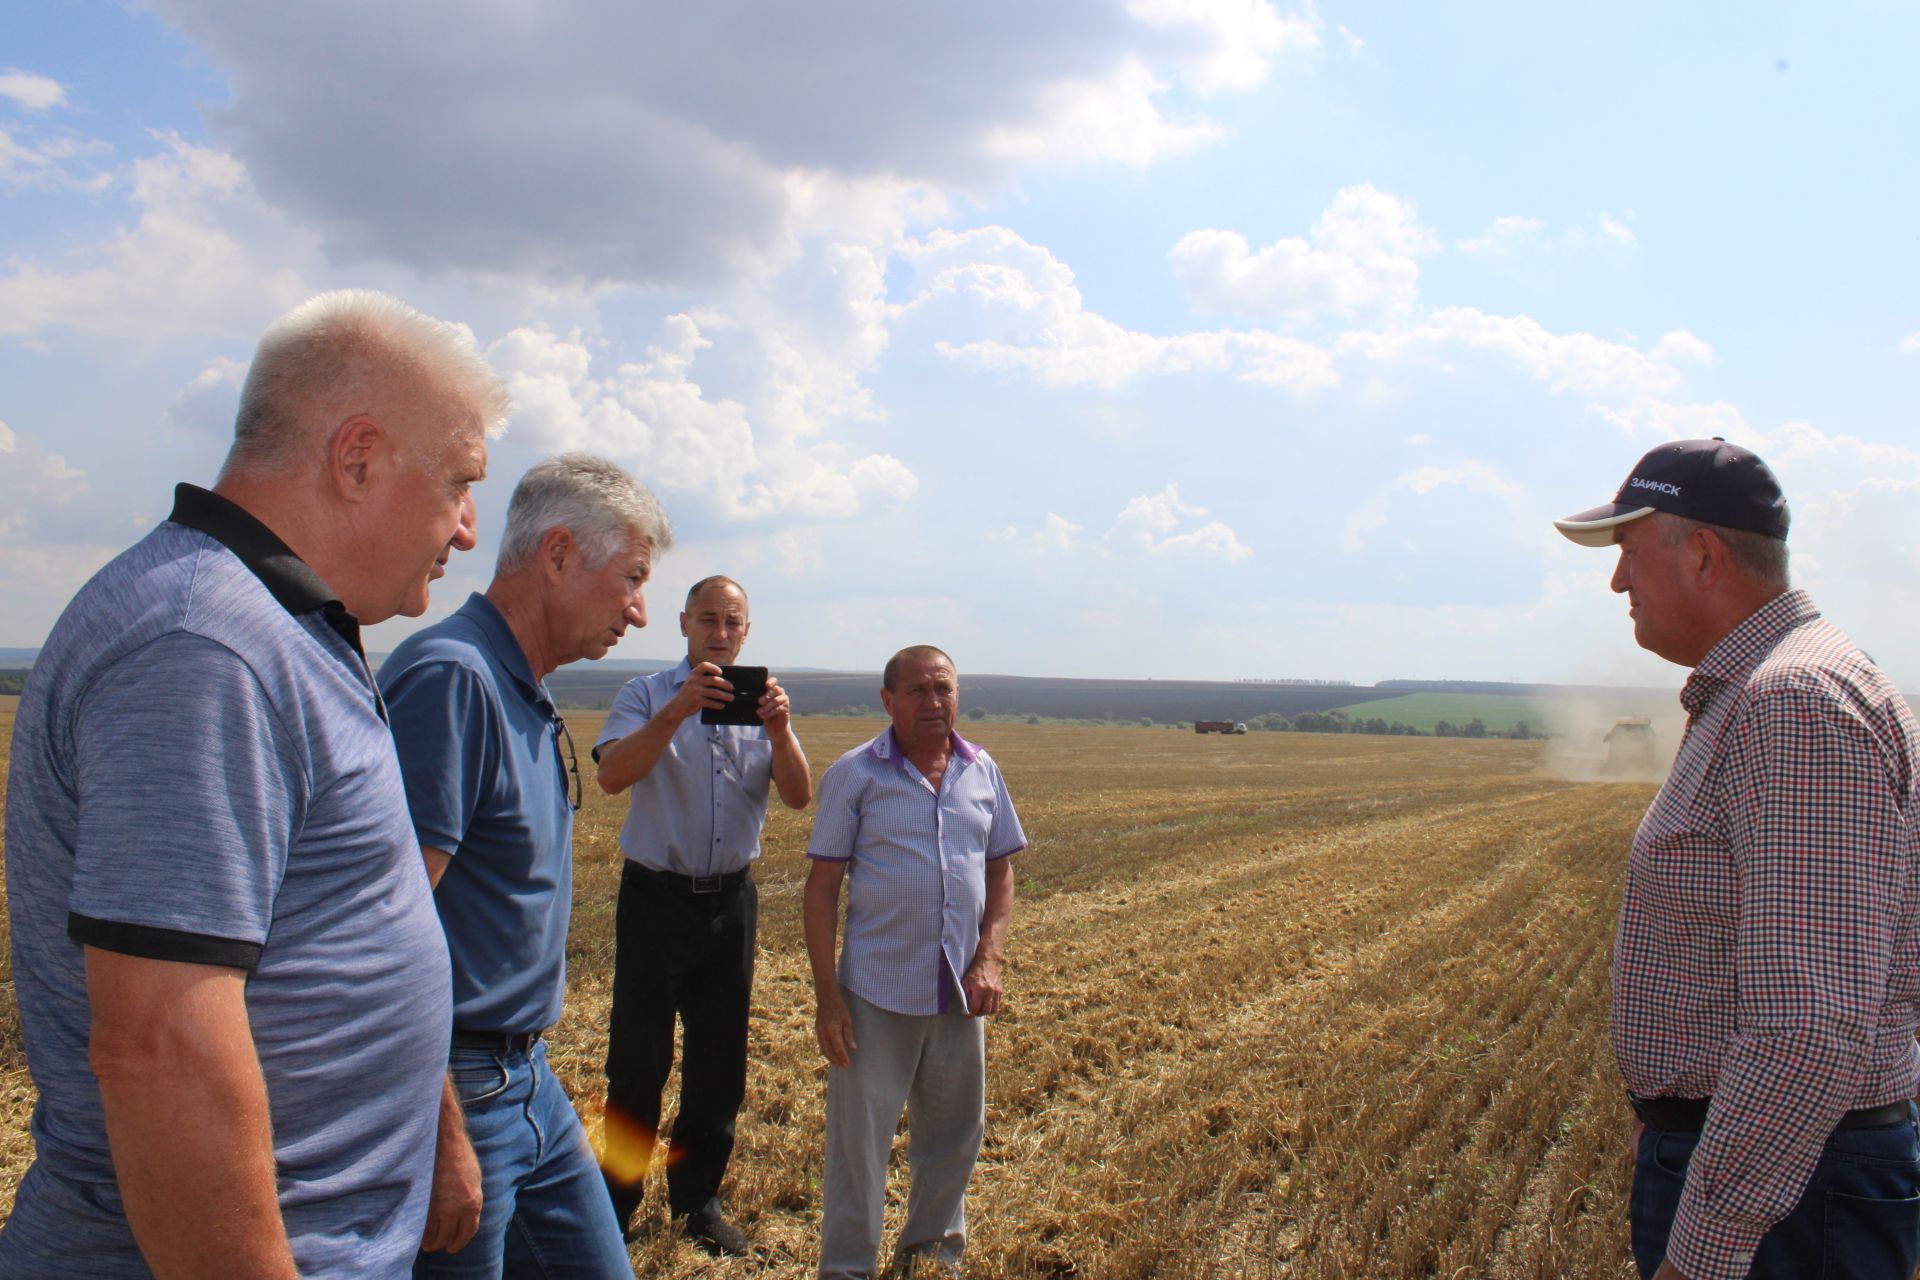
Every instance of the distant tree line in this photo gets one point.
(1273, 721)
(13, 680)
(1302, 683)
(1341, 722)
(1467, 686)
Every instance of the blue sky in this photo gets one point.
(1207, 338)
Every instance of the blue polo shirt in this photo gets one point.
(489, 780)
(201, 774)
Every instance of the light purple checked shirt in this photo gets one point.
(917, 879)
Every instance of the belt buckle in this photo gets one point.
(707, 884)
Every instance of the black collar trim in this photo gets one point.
(288, 578)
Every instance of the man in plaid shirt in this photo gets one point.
(1766, 970)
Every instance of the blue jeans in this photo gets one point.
(1859, 1218)
(545, 1213)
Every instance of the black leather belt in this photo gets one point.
(696, 884)
(520, 1042)
(1689, 1115)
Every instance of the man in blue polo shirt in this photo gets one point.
(493, 784)
(919, 824)
(232, 988)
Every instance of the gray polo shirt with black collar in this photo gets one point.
(202, 772)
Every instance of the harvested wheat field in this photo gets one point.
(1282, 1005)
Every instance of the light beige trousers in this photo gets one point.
(934, 1065)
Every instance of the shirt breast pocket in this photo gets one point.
(973, 809)
(756, 758)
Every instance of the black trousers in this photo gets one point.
(690, 956)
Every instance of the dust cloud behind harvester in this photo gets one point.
(1600, 738)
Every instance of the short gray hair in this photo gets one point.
(913, 653)
(344, 352)
(591, 498)
(1760, 556)
(717, 580)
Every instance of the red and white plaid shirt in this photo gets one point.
(1768, 953)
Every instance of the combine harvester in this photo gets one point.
(1631, 748)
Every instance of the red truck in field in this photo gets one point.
(1219, 726)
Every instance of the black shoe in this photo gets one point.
(710, 1229)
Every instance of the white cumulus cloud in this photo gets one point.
(1476, 477)
(1604, 230)
(1226, 44)
(203, 256)
(62, 160)
(1617, 231)
(1116, 118)
(1513, 233)
(1651, 415)
(651, 414)
(1575, 362)
(1027, 297)
(205, 406)
(1025, 304)
(1360, 258)
(37, 489)
(1681, 347)
(1152, 524)
(1055, 536)
(1503, 235)
(31, 90)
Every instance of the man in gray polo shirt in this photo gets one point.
(232, 986)
(919, 825)
(493, 783)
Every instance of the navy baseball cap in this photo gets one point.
(1706, 480)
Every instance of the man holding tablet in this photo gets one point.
(700, 760)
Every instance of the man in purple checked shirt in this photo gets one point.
(1766, 970)
(919, 825)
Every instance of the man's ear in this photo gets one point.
(1709, 555)
(354, 455)
(683, 624)
(557, 548)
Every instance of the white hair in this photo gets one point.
(591, 498)
(350, 351)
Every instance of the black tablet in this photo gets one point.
(749, 685)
